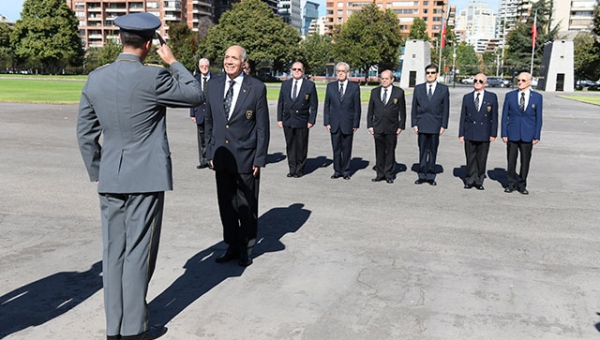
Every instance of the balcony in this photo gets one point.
(171, 18)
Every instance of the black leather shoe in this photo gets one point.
(336, 175)
(297, 175)
(524, 192)
(432, 182)
(245, 259)
(468, 186)
(390, 181)
(479, 187)
(420, 181)
(228, 255)
(377, 179)
(508, 190)
(346, 177)
(113, 337)
(289, 175)
(154, 332)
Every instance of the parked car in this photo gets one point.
(534, 82)
(582, 83)
(595, 87)
(498, 82)
(468, 80)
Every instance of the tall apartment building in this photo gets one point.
(573, 16)
(432, 11)
(478, 22)
(291, 12)
(310, 13)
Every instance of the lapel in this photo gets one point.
(218, 85)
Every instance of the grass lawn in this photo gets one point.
(16, 88)
(590, 99)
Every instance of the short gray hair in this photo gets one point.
(344, 64)
(204, 60)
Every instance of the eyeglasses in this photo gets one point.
(480, 81)
(296, 69)
(342, 71)
(432, 72)
(521, 80)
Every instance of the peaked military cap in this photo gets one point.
(142, 24)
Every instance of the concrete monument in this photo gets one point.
(417, 55)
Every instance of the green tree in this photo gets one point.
(518, 51)
(418, 30)
(253, 25)
(100, 56)
(466, 59)
(369, 37)
(5, 49)
(47, 32)
(184, 44)
(317, 51)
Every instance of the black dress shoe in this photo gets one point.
(479, 187)
(390, 181)
(297, 175)
(245, 260)
(508, 190)
(420, 181)
(228, 255)
(432, 182)
(377, 179)
(524, 192)
(154, 332)
(336, 175)
(346, 177)
(113, 337)
(289, 175)
(468, 186)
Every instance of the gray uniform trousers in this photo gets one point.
(131, 222)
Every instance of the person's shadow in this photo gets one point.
(275, 158)
(499, 175)
(461, 172)
(203, 273)
(438, 169)
(357, 164)
(47, 298)
(598, 324)
(312, 164)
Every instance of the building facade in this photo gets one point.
(310, 13)
(432, 12)
(478, 22)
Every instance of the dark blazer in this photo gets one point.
(430, 115)
(522, 126)
(342, 114)
(235, 145)
(127, 103)
(200, 111)
(297, 113)
(479, 125)
(387, 118)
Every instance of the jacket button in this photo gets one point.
(227, 126)
(227, 141)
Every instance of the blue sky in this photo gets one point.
(12, 8)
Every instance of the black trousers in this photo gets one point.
(385, 154)
(238, 206)
(296, 140)
(512, 151)
(428, 146)
(342, 152)
(476, 154)
(201, 145)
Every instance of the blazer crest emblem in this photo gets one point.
(249, 114)
(307, 96)
(489, 108)
(395, 100)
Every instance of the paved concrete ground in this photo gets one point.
(336, 259)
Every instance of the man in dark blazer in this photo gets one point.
(477, 127)
(198, 113)
(126, 103)
(341, 117)
(521, 129)
(386, 118)
(237, 132)
(296, 114)
(429, 116)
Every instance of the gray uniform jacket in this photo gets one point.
(126, 102)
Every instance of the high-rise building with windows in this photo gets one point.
(434, 13)
(478, 22)
(310, 13)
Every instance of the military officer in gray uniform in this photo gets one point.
(125, 102)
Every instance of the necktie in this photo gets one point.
(429, 94)
(522, 102)
(295, 90)
(341, 90)
(477, 102)
(385, 98)
(228, 98)
(204, 81)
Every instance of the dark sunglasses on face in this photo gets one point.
(428, 72)
(480, 81)
(521, 80)
(296, 69)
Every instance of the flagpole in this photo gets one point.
(533, 39)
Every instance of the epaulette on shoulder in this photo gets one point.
(155, 65)
(100, 67)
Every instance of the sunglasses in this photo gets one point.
(432, 72)
(521, 80)
(480, 81)
(296, 69)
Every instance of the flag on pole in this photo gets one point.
(444, 36)
(534, 31)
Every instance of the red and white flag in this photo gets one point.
(533, 31)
